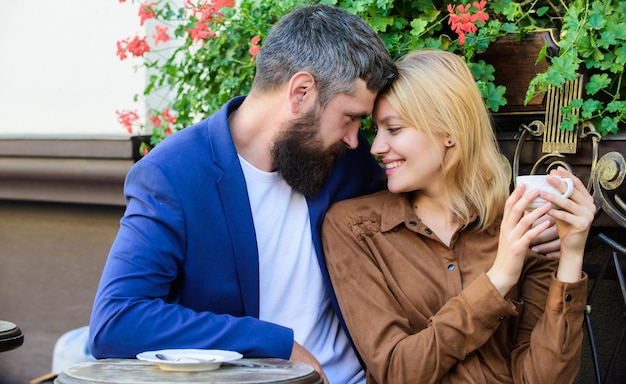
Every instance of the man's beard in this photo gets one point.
(300, 157)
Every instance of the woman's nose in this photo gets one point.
(378, 146)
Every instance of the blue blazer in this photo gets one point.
(183, 271)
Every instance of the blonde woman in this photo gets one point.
(435, 277)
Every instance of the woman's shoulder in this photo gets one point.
(358, 205)
(359, 211)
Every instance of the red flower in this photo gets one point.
(224, 3)
(155, 120)
(169, 118)
(121, 49)
(254, 46)
(480, 15)
(138, 46)
(162, 121)
(146, 12)
(127, 118)
(160, 35)
(462, 21)
(200, 31)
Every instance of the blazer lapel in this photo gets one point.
(243, 237)
(237, 212)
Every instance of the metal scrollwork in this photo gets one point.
(607, 180)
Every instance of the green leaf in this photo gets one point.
(562, 69)
(617, 106)
(597, 82)
(620, 56)
(536, 86)
(618, 29)
(542, 11)
(494, 96)
(509, 28)
(608, 125)
(607, 39)
(380, 23)
(576, 103)
(596, 21)
(589, 108)
(569, 123)
(418, 26)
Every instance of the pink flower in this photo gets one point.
(155, 120)
(462, 21)
(254, 46)
(169, 118)
(127, 118)
(160, 35)
(200, 31)
(138, 46)
(121, 49)
(146, 12)
(163, 121)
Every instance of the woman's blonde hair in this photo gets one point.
(436, 93)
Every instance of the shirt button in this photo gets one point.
(429, 231)
(412, 223)
(450, 267)
(568, 297)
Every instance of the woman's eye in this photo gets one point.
(393, 130)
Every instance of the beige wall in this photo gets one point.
(59, 75)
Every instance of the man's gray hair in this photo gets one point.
(335, 46)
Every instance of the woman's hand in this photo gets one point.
(517, 232)
(547, 242)
(573, 216)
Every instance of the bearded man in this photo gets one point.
(219, 247)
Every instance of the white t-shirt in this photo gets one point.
(292, 291)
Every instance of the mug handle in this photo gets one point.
(570, 187)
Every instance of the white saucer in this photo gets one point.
(184, 359)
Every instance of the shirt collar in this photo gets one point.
(397, 210)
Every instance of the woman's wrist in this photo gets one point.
(570, 267)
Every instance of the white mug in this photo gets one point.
(540, 182)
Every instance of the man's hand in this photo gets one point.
(548, 242)
(299, 353)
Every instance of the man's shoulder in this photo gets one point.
(209, 134)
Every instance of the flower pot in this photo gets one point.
(515, 64)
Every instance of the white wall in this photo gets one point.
(59, 74)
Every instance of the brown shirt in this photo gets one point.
(422, 312)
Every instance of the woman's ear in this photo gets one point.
(302, 92)
(448, 141)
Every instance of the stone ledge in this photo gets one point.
(69, 170)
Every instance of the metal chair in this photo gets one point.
(606, 183)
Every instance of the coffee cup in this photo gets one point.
(540, 182)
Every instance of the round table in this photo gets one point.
(11, 336)
(131, 371)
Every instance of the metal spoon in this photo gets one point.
(163, 357)
(247, 364)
